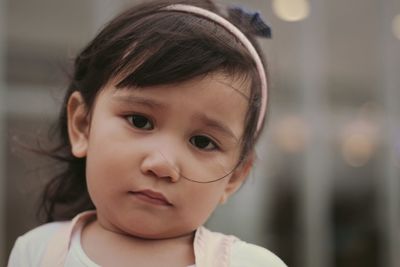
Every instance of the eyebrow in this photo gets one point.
(138, 100)
(217, 125)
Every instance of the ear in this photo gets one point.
(78, 124)
(238, 177)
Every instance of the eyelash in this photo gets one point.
(131, 120)
(150, 126)
(209, 140)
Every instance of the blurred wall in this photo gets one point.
(325, 190)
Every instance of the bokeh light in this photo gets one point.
(397, 149)
(357, 149)
(291, 10)
(291, 134)
(396, 26)
(359, 142)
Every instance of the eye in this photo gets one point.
(140, 122)
(203, 142)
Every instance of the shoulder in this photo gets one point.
(29, 247)
(39, 235)
(246, 254)
(240, 253)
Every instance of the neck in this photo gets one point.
(102, 243)
(115, 233)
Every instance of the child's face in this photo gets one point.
(138, 141)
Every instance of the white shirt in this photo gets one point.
(30, 248)
(28, 252)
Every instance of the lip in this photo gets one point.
(152, 197)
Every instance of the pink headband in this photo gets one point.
(242, 38)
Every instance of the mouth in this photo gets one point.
(151, 197)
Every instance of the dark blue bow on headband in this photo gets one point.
(250, 19)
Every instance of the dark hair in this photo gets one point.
(146, 46)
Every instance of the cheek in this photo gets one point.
(109, 151)
(109, 166)
(201, 201)
(100, 176)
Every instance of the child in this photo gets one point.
(158, 127)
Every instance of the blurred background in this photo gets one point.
(326, 188)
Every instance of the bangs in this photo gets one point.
(171, 47)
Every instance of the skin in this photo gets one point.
(124, 157)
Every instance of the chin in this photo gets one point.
(156, 233)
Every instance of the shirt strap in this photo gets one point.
(212, 249)
(58, 245)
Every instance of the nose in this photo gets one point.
(159, 165)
